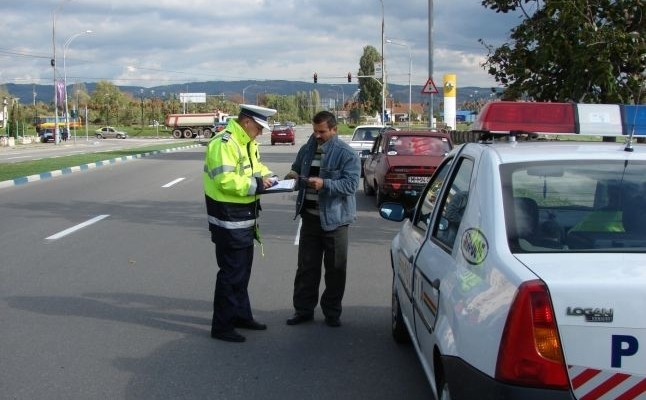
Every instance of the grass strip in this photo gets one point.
(9, 171)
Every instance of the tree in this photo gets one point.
(106, 99)
(577, 50)
(369, 88)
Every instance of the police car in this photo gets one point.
(521, 271)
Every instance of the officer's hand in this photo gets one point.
(267, 182)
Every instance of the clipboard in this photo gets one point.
(286, 185)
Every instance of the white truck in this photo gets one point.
(194, 125)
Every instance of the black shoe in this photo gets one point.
(249, 324)
(333, 322)
(299, 319)
(228, 336)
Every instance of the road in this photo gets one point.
(107, 278)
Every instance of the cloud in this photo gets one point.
(149, 43)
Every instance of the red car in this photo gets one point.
(401, 163)
(283, 134)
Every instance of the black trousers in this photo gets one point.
(231, 299)
(317, 247)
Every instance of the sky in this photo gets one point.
(159, 42)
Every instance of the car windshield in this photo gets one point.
(418, 146)
(575, 206)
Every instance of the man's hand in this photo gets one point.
(291, 175)
(315, 183)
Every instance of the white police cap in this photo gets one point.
(259, 114)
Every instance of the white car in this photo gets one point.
(521, 271)
(363, 137)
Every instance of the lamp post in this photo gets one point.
(67, 111)
(342, 95)
(141, 94)
(53, 63)
(410, 71)
(383, 66)
(244, 89)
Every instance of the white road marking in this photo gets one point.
(171, 183)
(77, 227)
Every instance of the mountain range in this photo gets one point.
(29, 93)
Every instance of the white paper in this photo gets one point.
(285, 184)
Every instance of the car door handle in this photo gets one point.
(435, 283)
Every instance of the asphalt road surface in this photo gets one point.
(106, 284)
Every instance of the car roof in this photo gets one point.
(431, 133)
(534, 151)
(369, 127)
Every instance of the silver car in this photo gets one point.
(110, 132)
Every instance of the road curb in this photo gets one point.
(84, 167)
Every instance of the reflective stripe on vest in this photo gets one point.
(231, 224)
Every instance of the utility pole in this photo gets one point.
(430, 59)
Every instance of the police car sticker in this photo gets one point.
(474, 246)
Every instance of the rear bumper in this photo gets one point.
(403, 191)
(282, 139)
(466, 382)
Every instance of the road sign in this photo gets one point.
(429, 87)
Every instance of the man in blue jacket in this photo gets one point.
(328, 170)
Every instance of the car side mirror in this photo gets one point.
(393, 212)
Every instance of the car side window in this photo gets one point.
(427, 201)
(454, 203)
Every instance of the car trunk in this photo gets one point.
(598, 301)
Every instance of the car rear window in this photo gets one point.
(569, 206)
(365, 134)
(418, 146)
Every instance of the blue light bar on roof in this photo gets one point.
(634, 117)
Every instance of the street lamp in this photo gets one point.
(141, 93)
(67, 111)
(383, 67)
(244, 89)
(53, 63)
(410, 71)
(342, 94)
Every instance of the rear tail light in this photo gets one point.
(393, 176)
(530, 351)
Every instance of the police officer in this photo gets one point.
(233, 177)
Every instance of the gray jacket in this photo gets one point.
(340, 171)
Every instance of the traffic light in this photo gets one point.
(316, 77)
(349, 77)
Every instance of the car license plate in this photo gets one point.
(422, 180)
